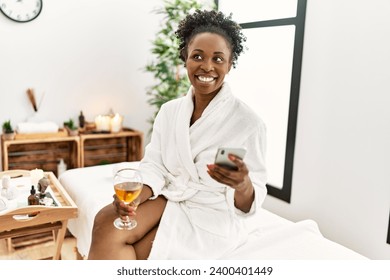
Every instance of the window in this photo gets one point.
(388, 232)
(271, 71)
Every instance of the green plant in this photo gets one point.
(167, 68)
(7, 127)
(70, 124)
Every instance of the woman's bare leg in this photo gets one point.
(143, 247)
(109, 243)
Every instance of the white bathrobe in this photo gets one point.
(200, 220)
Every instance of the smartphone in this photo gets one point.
(222, 159)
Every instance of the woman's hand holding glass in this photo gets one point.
(123, 209)
(128, 186)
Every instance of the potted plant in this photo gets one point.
(71, 128)
(167, 69)
(8, 131)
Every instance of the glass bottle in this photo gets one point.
(81, 120)
(61, 167)
(32, 198)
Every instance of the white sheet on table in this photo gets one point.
(273, 237)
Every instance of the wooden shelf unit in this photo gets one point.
(42, 153)
(86, 149)
(104, 148)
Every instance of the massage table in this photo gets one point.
(272, 237)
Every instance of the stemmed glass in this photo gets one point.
(127, 185)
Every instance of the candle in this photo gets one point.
(102, 123)
(116, 123)
(98, 122)
(36, 175)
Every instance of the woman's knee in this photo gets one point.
(103, 217)
(148, 218)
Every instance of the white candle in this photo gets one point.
(116, 123)
(102, 123)
(98, 123)
(106, 123)
(36, 175)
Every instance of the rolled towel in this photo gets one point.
(42, 127)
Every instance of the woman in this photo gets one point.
(192, 208)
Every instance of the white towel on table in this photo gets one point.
(42, 127)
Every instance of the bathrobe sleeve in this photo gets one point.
(152, 167)
(255, 161)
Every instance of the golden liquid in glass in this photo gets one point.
(128, 191)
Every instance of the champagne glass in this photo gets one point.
(128, 186)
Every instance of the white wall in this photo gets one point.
(82, 55)
(341, 173)
(87, 55)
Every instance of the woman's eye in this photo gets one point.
(197, 57)
(218, 59)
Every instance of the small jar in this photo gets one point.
(8, 191)
(5, 183)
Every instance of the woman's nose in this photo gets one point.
(207, 66)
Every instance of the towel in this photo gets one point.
(42, 127)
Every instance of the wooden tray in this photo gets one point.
(10, 220)
(36, 219)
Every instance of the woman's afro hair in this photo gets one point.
(214, 22)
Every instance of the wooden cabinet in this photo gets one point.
(100, 148)
(27, 154)
(77, 151)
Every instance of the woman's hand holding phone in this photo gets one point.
(222, 157)
(231, 170)
(229, 167)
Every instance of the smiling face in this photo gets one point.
(208, 61)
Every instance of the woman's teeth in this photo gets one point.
(205, 79)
